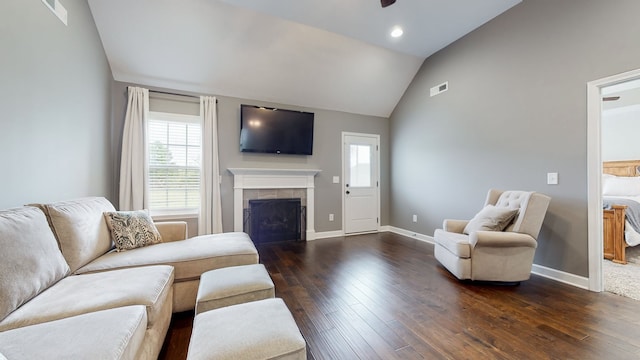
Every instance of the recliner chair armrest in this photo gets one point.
(455, 226)
(501, 239)
(172, 230)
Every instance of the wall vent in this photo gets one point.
(58, 9)
(439, 88)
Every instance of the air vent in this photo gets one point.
(439, 89)
(58, 9)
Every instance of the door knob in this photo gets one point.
(348, 192)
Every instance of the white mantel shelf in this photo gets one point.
(262, 178)
(281, 172)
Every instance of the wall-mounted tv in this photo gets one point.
(276, 131)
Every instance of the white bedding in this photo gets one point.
(631, 237)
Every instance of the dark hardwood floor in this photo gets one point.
(384, 296)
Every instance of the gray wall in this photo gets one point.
(54, 96)
(515, 110)
(328, 127)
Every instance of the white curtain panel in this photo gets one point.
(210, 220)
(133, 164)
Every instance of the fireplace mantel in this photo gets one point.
(262, 178)
(280, 172)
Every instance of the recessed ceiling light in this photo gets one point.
(396, 32)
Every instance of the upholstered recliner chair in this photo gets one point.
(498, 244)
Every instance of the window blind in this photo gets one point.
(174, 148)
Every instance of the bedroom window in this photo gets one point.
(174, 148)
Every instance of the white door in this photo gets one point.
(360, 186)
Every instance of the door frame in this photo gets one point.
(377, 176)
(594, 172)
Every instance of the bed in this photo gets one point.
(621, 214)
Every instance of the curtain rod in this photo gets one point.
(174, 94)
(170, 93)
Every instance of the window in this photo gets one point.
(174, 142)
(360, 165)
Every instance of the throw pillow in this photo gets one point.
(132, 229)
(491, 218)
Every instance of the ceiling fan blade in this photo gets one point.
(611, 98)
(386, 3)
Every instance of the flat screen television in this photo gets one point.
(276, 131)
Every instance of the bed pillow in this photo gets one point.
(620, 186)
(490, 218)
(131, 229)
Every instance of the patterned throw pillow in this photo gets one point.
(132, 229)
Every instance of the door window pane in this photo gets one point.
(360, 165)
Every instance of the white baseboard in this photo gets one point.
(383, 228)
(328, 234)
(407, 233)
(561, 276)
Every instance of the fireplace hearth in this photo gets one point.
(274, 220)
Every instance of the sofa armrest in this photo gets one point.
(455, 226)
(498, 239)
(172, 230)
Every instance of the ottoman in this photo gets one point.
(233, 285)
(255, 330)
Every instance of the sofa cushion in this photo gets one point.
(80, 228)
(190, 257)
(131, 229)
(457, 244)
(109, 334)
(491, 218)
(31, 260)
(150, 286)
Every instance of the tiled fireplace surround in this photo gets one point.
(249, 184)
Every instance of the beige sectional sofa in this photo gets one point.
(66, 293)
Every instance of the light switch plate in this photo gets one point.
(552, 178)
(336, 179)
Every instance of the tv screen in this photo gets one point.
(277, 131)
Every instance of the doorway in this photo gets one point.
(594, 172)
(361, 185)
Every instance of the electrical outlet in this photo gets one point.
(552, 178)
(330, 217)
(415, 218)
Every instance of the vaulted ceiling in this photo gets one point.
(327, 54)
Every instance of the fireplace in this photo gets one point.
(274, 220)
(284, 182)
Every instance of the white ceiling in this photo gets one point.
(326, 54)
